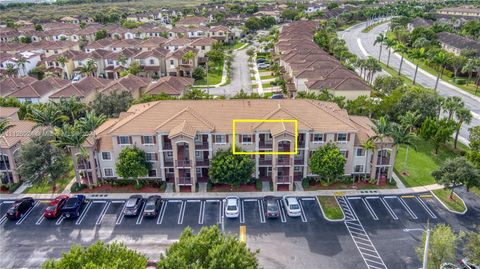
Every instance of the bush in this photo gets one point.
(138, 185)
(76, 187)
(460, 81)
(305, 183)
(258, 184)
(198, 73)
(12, 187)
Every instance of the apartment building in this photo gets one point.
(181, 137)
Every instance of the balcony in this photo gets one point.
(297, 175)
(183, 163)
(184, 181)
(167, 145)
(298, 161)
(283, 179)
(263, 161)
(265, 144)
(283, 161)
(168, 163)
(83, 165)
(203, 145)
(383, 161)
(204, 162)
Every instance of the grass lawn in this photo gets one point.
(266, 85)
(475, 190)
(238, 45)
(421, 163)
(214, 77)
(394, 73)
(369, 28)
(45, 187)
(455, 204)
(330, 207)
(267, 77)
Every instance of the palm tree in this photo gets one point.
(410, 120)
(382, 129)
(442, 60)
(402, 49)
(360, 64)
(389, 44)
(21, 62)
(122, 59)
(463, 115)
(469, 68)
(373, 67)
(89, 69)
(188, 56)
(10, 70)
(452, 104)
(46, 116)
(5, 125)
(91, 121)
(368, 146)
(380, 39)
(62, 61)
(70, 107)
(401, 135)
(418, 55)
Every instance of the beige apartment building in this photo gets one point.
(181, 137)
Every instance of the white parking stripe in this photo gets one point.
(407, 208)
(182, 211)
(304, 218)
(426, 207)
(84, 213)
(389, 209)
(193, 201)
(118, 202)
(4, 217)
(372, 197)
(27, 213)
(102, 214)
(162, 212)
(121, 216)
(220, 213)
(370, 209)
(99, 201)
(40, 220)
(60, 220)
(367, 249)
(308, 199)
(354, 198)
(201, 213)
(250, 200)
(282, 212)
(140, 216)
(260, 209)
(242, 213)
(212, 201)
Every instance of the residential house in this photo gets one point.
(11, 84)
(38, 91)
(221, 33)
(419, 22)
(133, 84)
(178, 65)
(32, 59)
(460, 11)
(10, 113)
(177, 43)
(152, 62)
(203, 46)
(85, 89)
(192, 20)
(173, 86)
(456, 44)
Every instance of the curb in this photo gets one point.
(446, 207)
(325, 216)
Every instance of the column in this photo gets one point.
(257, 156)
(160, 157)
(306, 154)
(193, 170)
(175, 167)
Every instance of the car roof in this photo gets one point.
(232, 201)
(292, 200)
(132, 201)
(154, 197)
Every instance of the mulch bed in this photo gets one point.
(343, 186)
(120, 189)
(227, 188)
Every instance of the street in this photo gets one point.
(361, 44)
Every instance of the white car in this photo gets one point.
(232, 207)
(291, 206)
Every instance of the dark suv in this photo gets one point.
(133, 205)
(271, 207)
(19, 208)
(73, 206)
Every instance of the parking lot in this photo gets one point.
(362, 240)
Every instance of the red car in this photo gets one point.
(53, 209)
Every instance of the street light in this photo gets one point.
(427, 239)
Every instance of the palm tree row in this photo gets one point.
(368, 68)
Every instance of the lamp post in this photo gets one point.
(427, 242)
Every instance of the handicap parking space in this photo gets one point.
(311, 209)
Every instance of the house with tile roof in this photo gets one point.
(192, 20)
(180, 137)
(85, 89)
(11, 84)
(178, 65)
(173, 86)
(38, 91)
(456, 44)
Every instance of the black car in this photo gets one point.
(133, 205)
(152, 206)
(271, 207)
(19, 208)
(277, 96)
(72, 206)
(261, 60)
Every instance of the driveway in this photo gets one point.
(361, 44)
(240, 76)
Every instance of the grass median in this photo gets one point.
(330, 207)
(454, 204)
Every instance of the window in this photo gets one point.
(342, 137)
(269, 171)
(152, 61)
(124, 140)
(170, 171)
(203, 47)
(148, 140)
(142, 61)
(172, 62)
(106, 156)
(344, 153)
(360, 152)
(108, 172)
(152, 173)
(318, 138)
(297, 169)
(150, 156)
(246, 139)
(220, 139)
(110, 62)
(197, 154)
(169, 154)
(358, 168)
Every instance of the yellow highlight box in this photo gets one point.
(295, 123)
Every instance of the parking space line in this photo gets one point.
(201, 213)
(40, 220)
(260, 209)
(242, 213)
(372, 197)
(370, 209)
(250, 200)
(102, 214)
(308, 199)
(120, 217)
(140, 216)
(282, 212)
(407, 208)
(193, 201)
(212, 201)
(389, 209)
(162, 212)
(84, 213)
(302, 212)
(27, 213)
(4, 217)
(426, 208)
(220, 211)
(182, 212)
(99, 201)
(118, 202)
(60, 220)
(354, 198)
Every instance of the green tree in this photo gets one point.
(389, 44)
(196, 94)
(198, 73)
(327, 162)
(452, 104)
(457, 172)
(437, 131)
(463, 115)
(5, 125)
(469, 67)
(442, 246)
(132, 163)
(101, 34)
(418, 55)
(47, 116)
(441, 59)
(380, 40)
(41, 161)
(472, 247)
(21, 63)
(401, 49)
(133, 69)
(113, 104)
(98, 256)
(216, 56)
(89, 68)
(38, 27)
(403, 136)
(11, 70)
(473, 154)
(232, 169)
(91, 121)
(457, 62)
(210, 248)
(386, 84)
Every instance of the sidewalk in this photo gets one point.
(220, 195)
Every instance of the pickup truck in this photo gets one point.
(73, 206)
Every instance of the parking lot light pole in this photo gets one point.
(425, 251)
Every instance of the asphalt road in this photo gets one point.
(309, 241)
(361, 44)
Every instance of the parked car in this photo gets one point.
(152, 206)
(277, 96)
(73, 206)
(261, 60)
(232, 206)
(19, 208)
(54, 208)
(271, 207)
(77, 78)
(133, 205)
(263, 66)
(291, 206)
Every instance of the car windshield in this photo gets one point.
(150, 207)
(294, 207)
(51, 208)
(272, 208)
(231, 208)
(71, 201)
